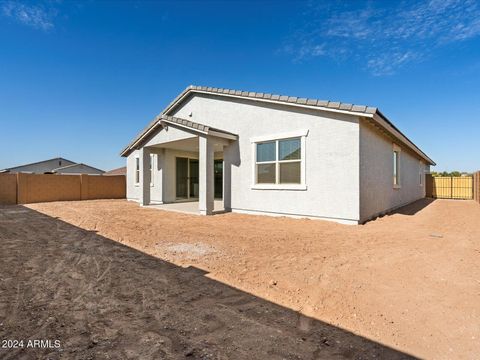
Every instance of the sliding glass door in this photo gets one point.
(187, 184)
(218, 178)
(193, 178)
(182, 178)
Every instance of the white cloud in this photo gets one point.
(35, 16)
(388, 63)
(384, 39)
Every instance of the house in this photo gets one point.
(78, 169)
(275, 155)
(57, 165)
(118, 171)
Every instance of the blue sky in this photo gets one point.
(81, 79)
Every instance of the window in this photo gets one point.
(421, 171)
(137, 170)
(279, 162)
(396, 166)
(266, 162)
(152, 162)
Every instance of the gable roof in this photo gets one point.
(325, 105)
(59, 169)
(118, 171)
(204, 129)
(38, 162)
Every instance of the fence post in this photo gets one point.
(476, 186)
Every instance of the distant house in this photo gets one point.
(275, 155)
(55, 166)
(78, 169)
(119, 171)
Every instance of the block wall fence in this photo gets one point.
(24, 188)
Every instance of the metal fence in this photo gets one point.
(450, 187)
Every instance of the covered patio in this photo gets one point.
(181, 168)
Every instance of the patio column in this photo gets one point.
(228, 160)
(144, 157)
(205, 174)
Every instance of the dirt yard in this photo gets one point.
(237, 286)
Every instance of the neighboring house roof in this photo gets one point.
(79, 165)
(119, 171)
(59, 159)
(332, 106)
(55, 165)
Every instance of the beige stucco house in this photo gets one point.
(274, 155)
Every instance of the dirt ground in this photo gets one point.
(237, 286)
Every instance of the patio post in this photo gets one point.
(205, 172)
(144, 157)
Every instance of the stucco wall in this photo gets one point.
(332, 155)
(377, 193)
(133, 191)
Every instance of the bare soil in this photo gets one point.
(110, 280)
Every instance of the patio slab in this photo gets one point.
(188, 207)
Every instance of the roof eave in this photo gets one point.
(383, 121)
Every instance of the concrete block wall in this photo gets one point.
(22, 188)
(34, 188)
(8, 189)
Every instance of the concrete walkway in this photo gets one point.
(188, 207)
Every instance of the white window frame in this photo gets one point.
(397, 182)
(152, 169)
(136, 179)
(302, 134)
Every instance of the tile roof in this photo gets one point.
(118, 171)
(326, 105)
(284, 98)
(193, 125)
